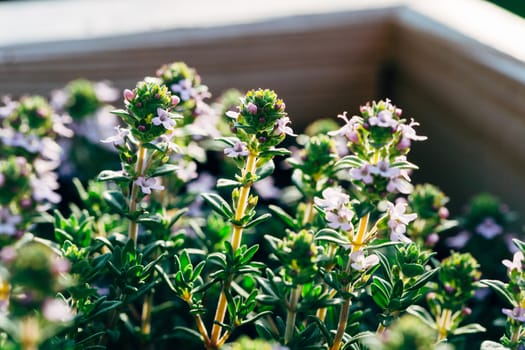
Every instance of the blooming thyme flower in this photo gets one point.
(163, 117)
(333, 198)
(282, 127)
(517, 313)
(408, 134)
(239, 149)
(146, 185)
(340, 218)
(400, 183)
(105, 92)
(362, 174)
(56, 310)
(349, 130)
(516, 263)
(184, 89)
(119, 138)
(489, 228)
(43, 188)
(398, 220)
(384, 169)
(361, 263)
(383, 119)
(8, 108)
(187, 171)
(8, 222)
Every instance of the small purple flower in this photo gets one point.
(362, 174)
(516, 263)
(187, 172)
(383, 119)
(146, 185)
(8, 108)
(239, 149)
(349, 130)
(43, 189)
(398, 220)
(517, 313)
(408, 134)
(384, 169)
(361, 263)
(489, 228)
(400, 183)
(119, 138)
(163, 117)
(57, 310)
(60, 265)
(283, 128)
(252, 108)
(204, 183)
(340, 218)
(184, 89)
(333, 199)
(458, 241)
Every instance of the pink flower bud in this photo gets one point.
(128, 95)
(252, 108)
(466, 311)
(432, 239)
(443, 213)
(175, 100)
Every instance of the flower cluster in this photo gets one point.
(29, 156)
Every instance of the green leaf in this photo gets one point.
(218, 204)
(422, 313)
(164, 169)
(176, 216)
(500, 288)
(258, 220)
(184, 333)
(424, 278)
(266, 170)
(110, 175)
(230, 141)
(412, 269)
(492, 345)
(227, 183)
(330, 235)
(275, 152)
(116, 201)
(380, 291)
(125, 116)
(284, 216)
(468, 329)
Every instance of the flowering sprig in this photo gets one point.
(457, 281)
(513, 292)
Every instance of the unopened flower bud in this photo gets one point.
(128, 95)
(466, 311)
(431, 296)
(252, 108)
(443, 213)
(25, 203)
(432, 239)
(175, 100)
(449, 289)
(141, 128)
(138, 104)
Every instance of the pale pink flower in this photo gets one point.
(239, 149)
(163, 117)
(384, 169)
(128, 94)
(184, 89)
(119, 138)
(383, 119)
(333, 198)
(398, 220)
(517, 313)
(57, 310)
(362, 174)
(349, 130)
(282, 127)
(361, 263)
(516, 263)
(146, 185)
(340, 218)
(458, 241)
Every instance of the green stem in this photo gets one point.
(242, 204)
(139, 169)
(295, 295)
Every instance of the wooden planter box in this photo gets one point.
(457, 66)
